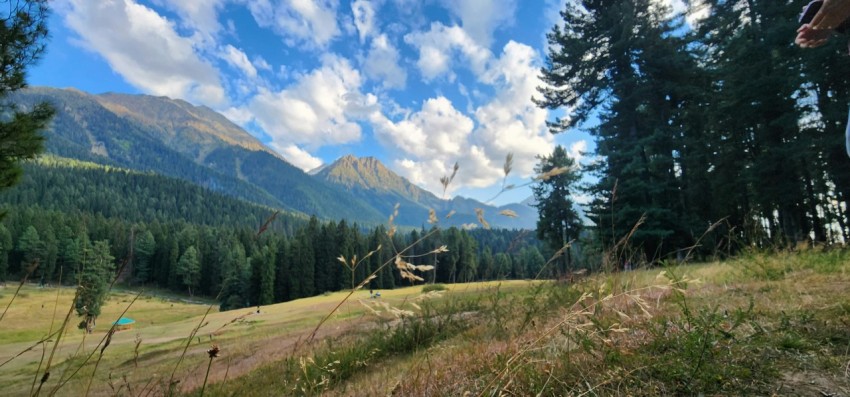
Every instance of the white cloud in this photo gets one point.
(261, 63)
(675, 6)
(427, 143)
(511, 122)
(577, 150)
(198, 15)
(438, 46)
(438, 130)
(144, 48)
(298, 157)
(382, 64)
(423, 173)
(364, 18)
(430, 140)
(694, 10)
(238, 115)
(236, 58)
(315, 110)
(480, 18)
(313, 22)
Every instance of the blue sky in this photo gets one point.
(419, 84)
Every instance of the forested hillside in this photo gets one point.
(174, 138)
(67, 215)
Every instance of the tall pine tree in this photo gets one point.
(558, 222)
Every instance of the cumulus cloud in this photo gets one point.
(511, 122)
(312, 22)
(430, 140)
(440, 45)
(577, 150)
(436, 130)
(145, 49)
(480, 18)
(315, 110)
(382, 64)
(238, 115)
(261, 63)
(694, 11)
(298, 157)
(236, 58)
(364, 18)
(200, 16)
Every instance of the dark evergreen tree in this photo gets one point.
(30, 247)
(144, 250)
(282, 273)
(624, 62)
(50, 248)
(95, 277)
(22, 41)
(766, 173)
(558, 221)
(235, 288)
(263, 275)
(486, 265)
(5, 248)
(189, 269)
(503, 265)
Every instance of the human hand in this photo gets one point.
(808, 37)
(832, 13)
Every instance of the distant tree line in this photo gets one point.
(243, 268)
(82, 222)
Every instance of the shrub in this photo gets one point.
(433, 287)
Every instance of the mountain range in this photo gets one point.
(174, 138)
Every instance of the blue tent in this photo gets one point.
(124, 323)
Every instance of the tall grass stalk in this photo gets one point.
(213, 353)
(192, 334)
(103, 341)
(52, 322)
(18, 290)
(363, 283)
(60, 332)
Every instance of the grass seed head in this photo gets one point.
(214, 351)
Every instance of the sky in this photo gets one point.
(418, 84)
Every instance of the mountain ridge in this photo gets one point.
(174, 138)
(370, 180)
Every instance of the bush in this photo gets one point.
(434, 287)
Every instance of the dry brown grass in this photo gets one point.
(606, 343)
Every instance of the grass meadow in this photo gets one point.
(762, 324)
(246, 338)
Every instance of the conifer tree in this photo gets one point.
(30, 247)
(189, 268)
(23, 32)
(558, 222)
(616, 61)
(95, 277)
(144, 250)
(5, 248)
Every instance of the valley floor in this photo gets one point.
(762, 324)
